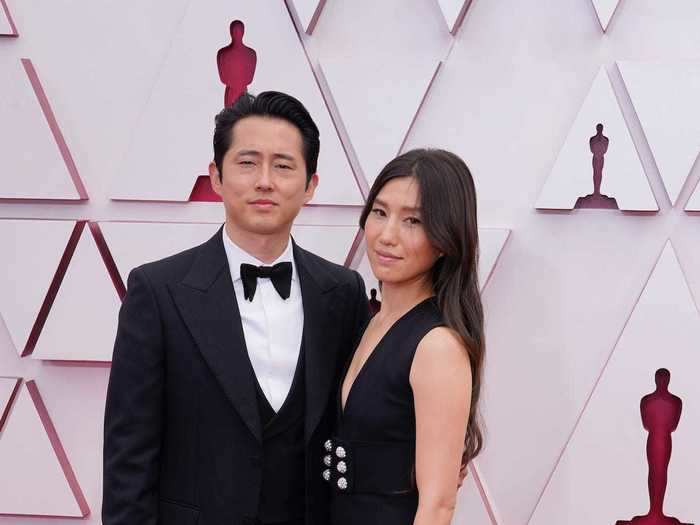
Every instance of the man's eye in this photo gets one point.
(284, 166)
(246, 162)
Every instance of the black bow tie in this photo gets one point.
(280, 274)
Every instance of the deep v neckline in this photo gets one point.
(407, 314)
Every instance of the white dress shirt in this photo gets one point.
(272, 326)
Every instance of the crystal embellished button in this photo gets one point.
(328, 445)
(327, 474)
(342, 467)
(327, 460)
(340, 452)
(342, 483)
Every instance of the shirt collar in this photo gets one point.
(237, 256)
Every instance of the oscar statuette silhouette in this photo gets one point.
(598, 145)
(661, 412)
(236, 63)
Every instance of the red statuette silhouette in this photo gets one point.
(661, 412)
(598, 144)
(236, 63)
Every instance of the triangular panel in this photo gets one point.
(694, 202)
(623, 184)
(82, 323)
(31, 273)
(35, 162)
(331, 242)
(135, 243)
(607, 453)
(605, 9)
(308, 12)
(8, 390)
(378, 120)
(7, 25)
(454, 11)
(171, 146)
(665, 98)
(36, 478)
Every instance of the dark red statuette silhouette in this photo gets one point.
(598, 144)
(236, 63)
(374, 304)
(661, 412)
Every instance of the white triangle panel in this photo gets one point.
(453, 11)
(694, 202)
(32, 164)
(7, 25)
(491, 242)
(471, 508)
(378, 119)
(28, 270)
(135, 243)
(623, 176)
(8, 389)
(605, 9)
(308, 12)
(82, 323)
(333, 243)
(602, 475)
(665, 98)
(36, 478)
(170, 148)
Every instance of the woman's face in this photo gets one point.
(397, 245)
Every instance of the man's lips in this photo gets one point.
(263, 202)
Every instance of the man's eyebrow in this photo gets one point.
(285, 156)
(248, 152)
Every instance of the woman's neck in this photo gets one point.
(398, 298)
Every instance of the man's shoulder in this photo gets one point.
(172, 268)
(338, 272)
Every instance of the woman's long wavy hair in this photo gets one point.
(448, 214)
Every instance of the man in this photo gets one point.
(228, 355)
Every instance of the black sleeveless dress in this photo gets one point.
(370, 461)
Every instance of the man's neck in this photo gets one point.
(265, 248)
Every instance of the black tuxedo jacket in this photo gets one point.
(182, 438)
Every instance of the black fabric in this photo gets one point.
(282, 494)
(379, 415)
(184, 440)
(280, 274)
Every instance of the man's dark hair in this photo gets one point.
(267, 104)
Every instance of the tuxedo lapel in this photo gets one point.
(321, 323)
(207, 303)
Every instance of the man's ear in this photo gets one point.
(215, 178)
(311, 188)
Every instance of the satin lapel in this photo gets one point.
(207, 303)
(321, 329)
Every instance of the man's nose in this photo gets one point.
(264, 181)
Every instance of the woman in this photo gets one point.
(407, 403)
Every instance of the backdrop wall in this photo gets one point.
(590, 238)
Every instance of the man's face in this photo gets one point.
(263, 184)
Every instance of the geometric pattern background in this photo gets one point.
(580, 306)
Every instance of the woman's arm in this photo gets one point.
(441, 381)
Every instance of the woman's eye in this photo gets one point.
(413, 220)
(379, 212)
